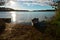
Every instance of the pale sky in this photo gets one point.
(30, 4)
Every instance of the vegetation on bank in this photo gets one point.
(56, 21)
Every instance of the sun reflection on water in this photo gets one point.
(13, 14)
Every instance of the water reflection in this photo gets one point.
(13, 14)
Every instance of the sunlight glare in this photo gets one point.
(13, 14)
(12, 2)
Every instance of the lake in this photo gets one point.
(19, 17)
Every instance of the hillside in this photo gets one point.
(6, 9)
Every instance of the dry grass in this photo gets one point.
(24, 32)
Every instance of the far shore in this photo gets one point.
(28, 10)
(3, 9)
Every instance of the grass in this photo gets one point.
(27, 32)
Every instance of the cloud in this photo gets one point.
(45, 2)
(37, 2)
(28, 3)
(33, 2)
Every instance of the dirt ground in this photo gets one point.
(27, 32)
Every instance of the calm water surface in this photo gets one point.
(26, 16)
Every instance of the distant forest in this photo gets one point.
(10, 9)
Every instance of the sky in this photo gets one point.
(30, 4)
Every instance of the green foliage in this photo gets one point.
(57, 21)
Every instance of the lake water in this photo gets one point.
(26, 16)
